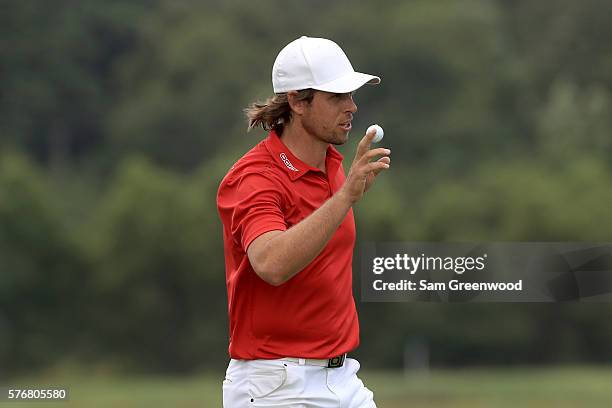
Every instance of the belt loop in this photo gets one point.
(301, 361)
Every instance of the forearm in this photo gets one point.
(289, 252)
(278, 256)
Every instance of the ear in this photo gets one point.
(296, 106)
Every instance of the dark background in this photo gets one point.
(118, 120)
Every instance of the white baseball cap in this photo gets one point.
(316, 63)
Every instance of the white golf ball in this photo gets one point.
(379, 133)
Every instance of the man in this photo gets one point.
(289, 234)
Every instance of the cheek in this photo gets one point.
(323, 119)
(328, 119)
(319, 119)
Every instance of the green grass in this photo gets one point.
(524, 387)
(517, 387)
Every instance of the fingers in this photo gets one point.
(364, 144)
(363, 170)
(370, 154)
(386, 160)
(375, 167)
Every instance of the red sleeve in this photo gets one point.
(258, 204)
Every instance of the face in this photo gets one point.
(328, 117)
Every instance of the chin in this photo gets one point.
(339, 139)
(335, 138)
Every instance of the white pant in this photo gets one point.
(279, 383)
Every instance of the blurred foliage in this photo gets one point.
(154, 264)
(57, 73)
(40, 277)
(119, 119)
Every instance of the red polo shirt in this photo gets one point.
(313, 314)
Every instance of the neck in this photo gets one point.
(304, 145)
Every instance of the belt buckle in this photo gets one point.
(336, 362)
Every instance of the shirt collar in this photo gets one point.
(294, 166)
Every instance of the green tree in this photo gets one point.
(41, 282)
(158, 272)
(57, 73)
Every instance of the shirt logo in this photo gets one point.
(285, 160)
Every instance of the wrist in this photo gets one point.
(344, 197)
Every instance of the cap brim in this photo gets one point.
(348, 83)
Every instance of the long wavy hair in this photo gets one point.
(275, 112)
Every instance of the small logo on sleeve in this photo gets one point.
(285, 160)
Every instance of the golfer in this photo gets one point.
(289, 234)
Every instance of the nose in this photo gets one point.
(352, 106)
